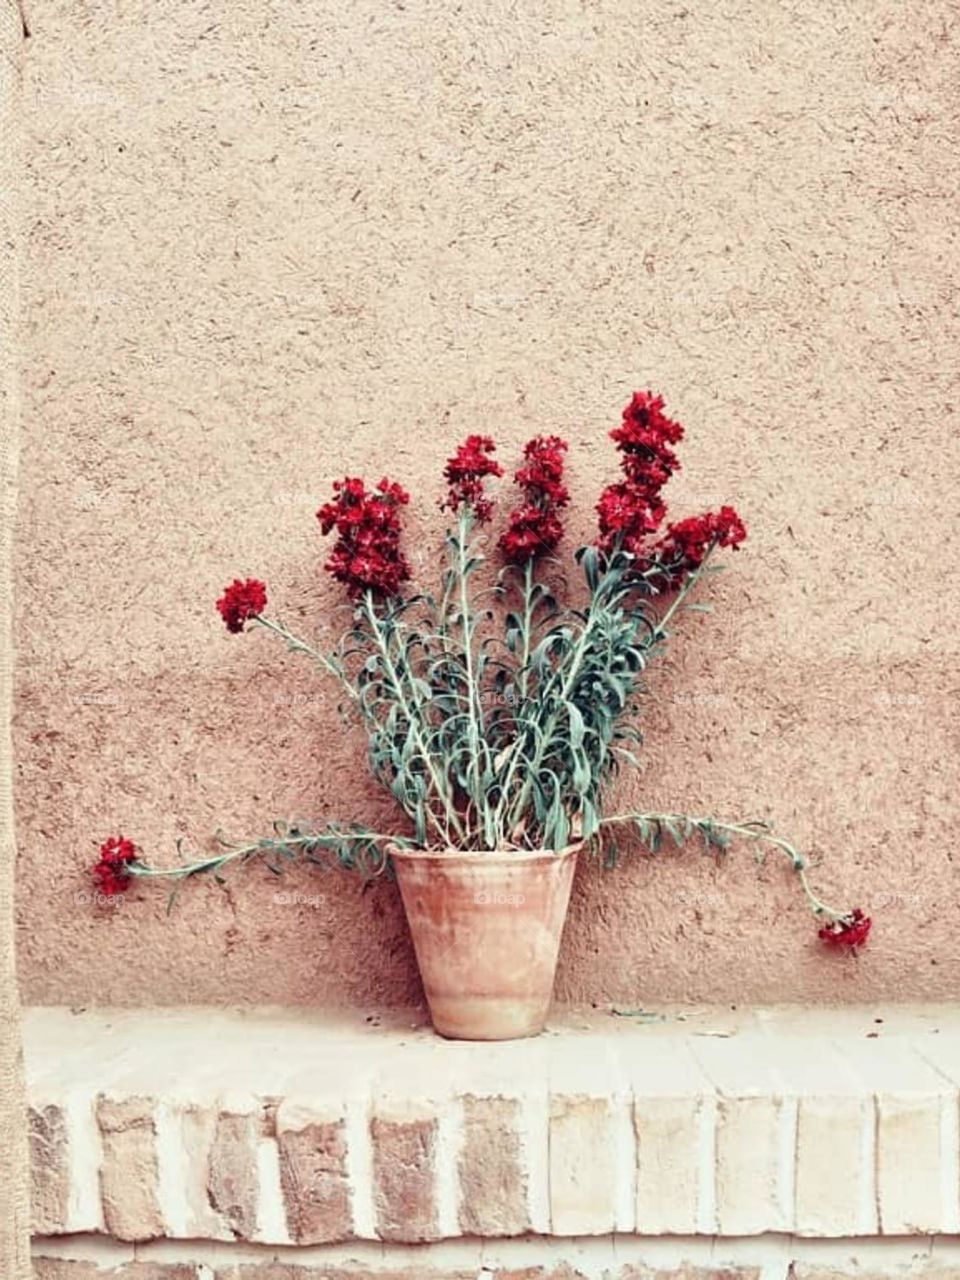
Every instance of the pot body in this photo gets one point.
(486, 929)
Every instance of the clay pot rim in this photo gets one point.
(500, 857)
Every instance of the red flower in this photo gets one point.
(240, 601)
(644, 439)
(532, 532)
(542, 473)
(366, 555)
(628, 513)
(849, 931)
(111, 872)
(534, 526)
(633, 509)
(685, 544)
(465, 473)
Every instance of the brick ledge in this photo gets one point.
(283, 1128)
(765, 1257)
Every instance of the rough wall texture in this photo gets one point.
(14, 1170)
(270, 243)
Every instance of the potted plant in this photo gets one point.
(499, 730)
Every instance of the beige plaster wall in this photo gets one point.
(270, 243)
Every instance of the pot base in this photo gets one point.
(487, 1018)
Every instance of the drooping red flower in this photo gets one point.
(850, 931)
(465, 473)
(534, 527)
(686, 543)
(111, 873)
(240, 601)
(366, 555)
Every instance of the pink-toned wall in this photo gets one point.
(270, 243)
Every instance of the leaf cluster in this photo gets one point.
(495, 715)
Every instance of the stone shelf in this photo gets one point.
(289, 1128)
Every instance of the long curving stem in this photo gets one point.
(758, 832)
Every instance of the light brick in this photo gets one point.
(128, 1174)
(198, 1129)
(809, 1271)
(689, 1272)
(313, 1174)
(829, 1164)
(582, 1166)
(62, 1269)
(404, 1174)
(563, 1271)
(321, 1271)
(748, 1145)
(908, 1164)
(49, 1169)
(233, 1183)
(668, 1164)
(493, 1184)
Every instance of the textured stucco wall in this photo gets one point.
(270, 243)
(14, 1159)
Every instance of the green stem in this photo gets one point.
(301, 646)
(741, 830)
(215, 862)
(524, 673)
(659, 634)
(689, 582)
(474, 710)
(523, 677)
(413, 719)
(516, 811)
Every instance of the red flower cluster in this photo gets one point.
(686, 543)
(111, 873)
(851, 931)
(644, 438)
(628, 515)
(240, 601)
(465, 473)
(633, 509)
(534, 526)
(542, 473)
(367, 555)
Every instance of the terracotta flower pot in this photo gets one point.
(486, 929)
